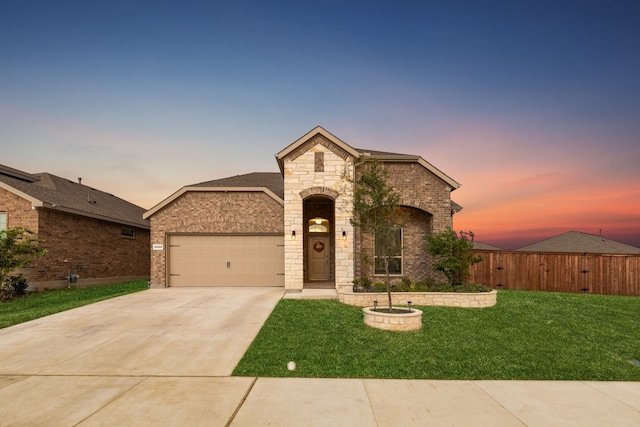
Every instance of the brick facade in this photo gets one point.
(426, 209)
(211, 212)
(318, 176)
(92, 248)
(19, 211)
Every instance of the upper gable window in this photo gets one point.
(318, 225)
(319, 161)
(3, 221)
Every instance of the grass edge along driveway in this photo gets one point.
(526, 336)
(36, 305)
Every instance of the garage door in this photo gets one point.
(226, 260)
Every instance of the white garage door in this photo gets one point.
(226, 260)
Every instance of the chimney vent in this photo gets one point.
(79, 180)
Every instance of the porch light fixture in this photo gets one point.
(293, 235)
(344, 235)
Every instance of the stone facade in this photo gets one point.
(393, 322)
(92, 248)
(305, 178)
(445, 299)
(212, 212)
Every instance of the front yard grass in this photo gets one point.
(526, 336)
(42, 304)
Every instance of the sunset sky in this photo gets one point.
(534, 107)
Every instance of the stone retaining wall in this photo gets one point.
(447, 299)
(393, 322)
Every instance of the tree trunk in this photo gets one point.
(387, 279)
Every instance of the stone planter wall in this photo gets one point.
(447, 299)
(393, 322)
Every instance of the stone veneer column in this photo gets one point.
(299, 175)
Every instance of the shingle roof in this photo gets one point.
(486, 246)
(575, 241)
(54, 192)
(271, 180)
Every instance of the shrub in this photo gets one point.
(454, 255)
(14, 286)
(18, 247)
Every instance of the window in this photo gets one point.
(394, 251)
(319, 161)
(318, 225)
(129, 233)
(3, 221)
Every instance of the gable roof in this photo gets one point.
(485, 246)
(53, 192)
(307, 136)
(575, 241)
(271, 183)
(359, 152)
(397, 157)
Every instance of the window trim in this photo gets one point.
(3, 224)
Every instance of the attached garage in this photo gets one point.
(226, 260)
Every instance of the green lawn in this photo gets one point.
(42, 304)
(527, 335)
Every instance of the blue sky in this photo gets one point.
(532, 106)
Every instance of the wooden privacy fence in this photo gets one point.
(611, 274)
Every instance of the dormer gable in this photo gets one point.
(316, 136)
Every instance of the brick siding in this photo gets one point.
(212, 212)
(426, 209)
(93, 248)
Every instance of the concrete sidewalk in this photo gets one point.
(241, 401)
(163, 358)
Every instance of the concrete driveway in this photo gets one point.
(163, 357)
(157, 346)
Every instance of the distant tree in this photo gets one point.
(376, 211)
(454, 254)
(18, 247)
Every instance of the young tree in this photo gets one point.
(376, 211)
(454, 254)
(18, 247)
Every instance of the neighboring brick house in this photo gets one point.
(89, 233)
(292, 228)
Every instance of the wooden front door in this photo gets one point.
(319, 254)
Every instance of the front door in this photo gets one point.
(319, 254)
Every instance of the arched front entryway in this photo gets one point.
(319, 241)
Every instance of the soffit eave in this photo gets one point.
(98, 216)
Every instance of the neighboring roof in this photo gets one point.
(486, 246)
(271, 183)
(53, 192)
(575, 241)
